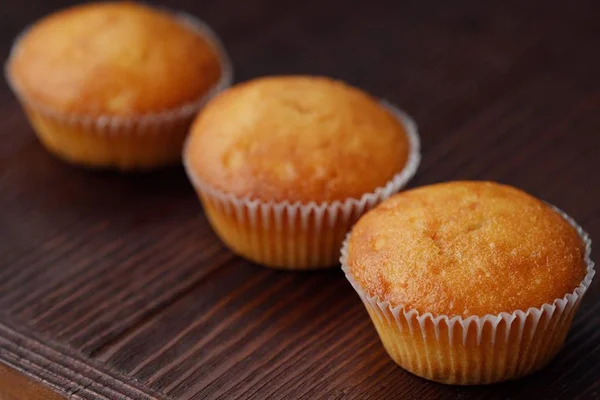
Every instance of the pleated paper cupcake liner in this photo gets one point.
(295, 235)
(477, 349)
(126, 142)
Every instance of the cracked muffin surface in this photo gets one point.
(297, 139)
(466, 248)
(116, 59)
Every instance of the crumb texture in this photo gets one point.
(466, 248)
(113, 59)
(296, 138)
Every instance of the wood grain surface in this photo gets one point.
(114, 287)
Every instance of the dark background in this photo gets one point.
(119, 283)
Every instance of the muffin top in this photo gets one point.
(465, 248)
(297, 139)
(113, 59)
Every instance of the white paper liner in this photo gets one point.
(476, 349)
(143, 123)
(322, 225)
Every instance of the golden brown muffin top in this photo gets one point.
(296, 138)
(113, 59)
(465, 248)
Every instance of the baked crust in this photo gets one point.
(465, 248)
(116, 59)
(296, 139)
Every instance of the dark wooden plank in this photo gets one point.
(63, 369)
(113, 286)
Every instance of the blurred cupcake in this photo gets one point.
(116, 84)
(469, 282)
(285, 165)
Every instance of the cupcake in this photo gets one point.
(285, 165)
(116, 85)
(469, 282)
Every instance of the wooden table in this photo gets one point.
(114, 287)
